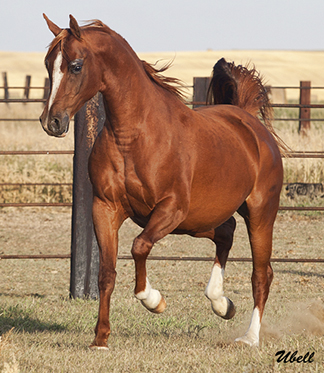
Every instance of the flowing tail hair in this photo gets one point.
(243, 86)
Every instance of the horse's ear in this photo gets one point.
(52, 26)
(74, 27)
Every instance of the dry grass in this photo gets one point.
(51, 333)
(303, 170)
(58, 168)
(33, 168)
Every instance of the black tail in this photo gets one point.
(242, 86)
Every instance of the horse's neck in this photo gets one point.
(128, 90)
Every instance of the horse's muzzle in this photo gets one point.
(55, 125)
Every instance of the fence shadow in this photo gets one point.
(23, 321)
(300, 273)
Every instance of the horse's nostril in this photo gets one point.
(57, 123)
(54, 125)
(58, 126)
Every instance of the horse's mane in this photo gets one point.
(165, 82)
(172, 85)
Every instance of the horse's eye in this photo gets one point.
(77, 69)
(76, 66)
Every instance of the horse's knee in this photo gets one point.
(141, 248)
(106, 279)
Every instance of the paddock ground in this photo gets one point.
(44, 331)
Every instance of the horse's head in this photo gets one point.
(71, 65)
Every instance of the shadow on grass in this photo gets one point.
(300, 273)
(33, 295)
(22, 321)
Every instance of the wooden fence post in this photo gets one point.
(304, 113)
(27, 86)
(200, 88)
(5, 85)
(46, 88)
(84, 249)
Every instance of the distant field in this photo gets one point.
(279, 68)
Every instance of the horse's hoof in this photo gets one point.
(99, 345)
(159, 308)
(223, 308)
(97, 348)
(230, 310)
(250, 341)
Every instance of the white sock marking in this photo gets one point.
(251, 337)
(214, 291)
(255, 324)
(149, 296)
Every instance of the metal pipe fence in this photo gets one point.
(168, 258)
(26, 99)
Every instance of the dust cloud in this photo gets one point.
(298, 318)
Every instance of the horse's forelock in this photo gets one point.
(58, 39)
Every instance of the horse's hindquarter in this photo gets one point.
(234, 154)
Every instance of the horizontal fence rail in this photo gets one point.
(296, 106)
(293, 154)
(168, 258)
(35, 152)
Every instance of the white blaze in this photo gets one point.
(56, 79)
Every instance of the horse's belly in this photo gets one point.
(207, 217)
(212, 205)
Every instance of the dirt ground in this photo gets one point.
(48, 231)
(39, 323)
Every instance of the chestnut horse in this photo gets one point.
(167, 167)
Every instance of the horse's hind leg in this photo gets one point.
(223, 238)
(260, 228)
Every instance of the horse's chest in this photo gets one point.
(140, 195)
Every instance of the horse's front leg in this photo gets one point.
(107, 220)
(164, 219)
